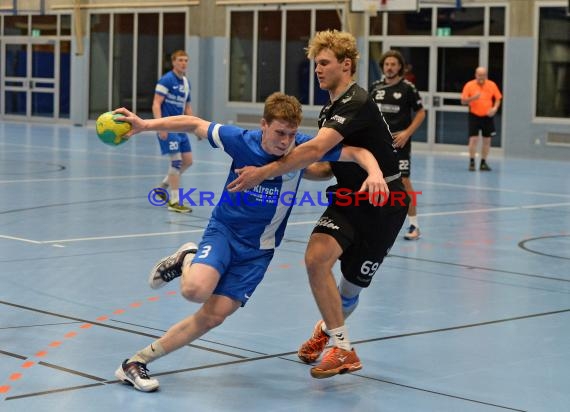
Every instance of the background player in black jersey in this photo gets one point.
(359, 234)
(398, 99)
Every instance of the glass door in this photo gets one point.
(439, 72)
(28, 76)
(454, 66)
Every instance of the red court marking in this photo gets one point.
(284, 266)
(15, 376)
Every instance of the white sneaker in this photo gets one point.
(170, 267)
(135, 374)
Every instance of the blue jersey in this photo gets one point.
(176, 92)
(257, 217)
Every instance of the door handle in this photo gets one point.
(436, 101)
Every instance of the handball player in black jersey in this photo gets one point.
(398, 99)
(357, 232)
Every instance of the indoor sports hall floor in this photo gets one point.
(473, 317)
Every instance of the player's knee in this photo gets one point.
(316, 264)
(208, 318)
(212, 320)
(193, 292)
(175, 167)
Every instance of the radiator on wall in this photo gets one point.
(558, 139)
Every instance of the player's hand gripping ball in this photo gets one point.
(111, 131)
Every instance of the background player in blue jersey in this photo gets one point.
(397, 99)
(172, 98)
(244, 229)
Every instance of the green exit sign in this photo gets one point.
(443, 31)
(36, 33)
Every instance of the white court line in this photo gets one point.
(83, 239)
(87, 178)
(20, 239)
(68, 150)
(300, 223)
(492, 189)
(494, 209)
(99, 152)
(136, 235)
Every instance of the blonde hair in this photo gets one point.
(341, 43)
(282, 107)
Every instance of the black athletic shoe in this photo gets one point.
(170, 267)
(484, 167)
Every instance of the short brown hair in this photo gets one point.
(341, 43)
(282, 107)
(177, 54)
(397, 55)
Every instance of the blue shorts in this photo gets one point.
(241, 266)
(175, 143)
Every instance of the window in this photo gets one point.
(461, 22)
(116, 41)
(553, 80)
(99, 74)
(268, 53)
(147, 67)
(266, 57)
(297, 68)
(16, 26)
(241, 56)
(122, 90)
(410, 23)
(497, 23)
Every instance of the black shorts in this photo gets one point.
(483, 123)
(404, 156)
(365, 233)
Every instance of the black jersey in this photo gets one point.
(396, 102)
(355, 116)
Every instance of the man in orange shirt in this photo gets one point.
(484, 98)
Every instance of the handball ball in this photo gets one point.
(110, 131)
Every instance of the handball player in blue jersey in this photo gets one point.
(238, 244)
(359, 235)
(172, 98)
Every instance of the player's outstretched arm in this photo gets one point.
(300, 157)
(182, 123)
(318, 171)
